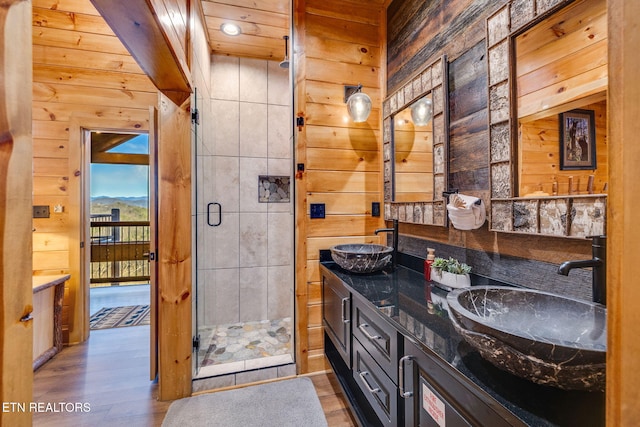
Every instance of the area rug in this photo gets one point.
(118, 317)
(287, 403)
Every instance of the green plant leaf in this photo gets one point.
(451, 265)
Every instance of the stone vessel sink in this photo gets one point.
(361, 257)
(546, 338)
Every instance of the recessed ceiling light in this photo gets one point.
(230, 29)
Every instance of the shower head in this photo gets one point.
(285, 62)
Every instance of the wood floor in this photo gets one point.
(109, 374)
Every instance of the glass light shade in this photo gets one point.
(421, 112)
(359, 107)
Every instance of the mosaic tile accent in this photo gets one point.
(238, 342)
(274, 189)
(498, 26)
(525, 216)
(499, 63)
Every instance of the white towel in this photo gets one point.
(466, 212)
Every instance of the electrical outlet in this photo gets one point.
(41, 211)
(375, 208)
(317, 210)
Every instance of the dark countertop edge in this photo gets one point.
(417, 264)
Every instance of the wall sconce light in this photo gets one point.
(422, 111)
(285, 61)
(230, 29)
(358, 103)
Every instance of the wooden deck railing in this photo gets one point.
(119, 251)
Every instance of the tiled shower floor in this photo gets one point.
(244, 346)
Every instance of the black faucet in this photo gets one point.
(597, 263)
(394, 230)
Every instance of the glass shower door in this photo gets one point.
(245, 222)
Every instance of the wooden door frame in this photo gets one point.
(79, 161)
(153, 241)
(623, 292)
(16, 237)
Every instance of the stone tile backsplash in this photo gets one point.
(518, 271)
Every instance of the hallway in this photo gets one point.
(109, 373)
(107, 377)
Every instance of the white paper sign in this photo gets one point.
(433, 405)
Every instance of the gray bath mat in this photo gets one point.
(285, 403)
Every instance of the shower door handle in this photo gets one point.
(209, 214)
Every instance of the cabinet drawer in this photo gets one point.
(377, 387)
(377, 336)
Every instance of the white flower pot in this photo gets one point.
(449, 279)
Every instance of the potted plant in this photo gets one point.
(450, 272)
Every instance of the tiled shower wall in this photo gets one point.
(245, 265)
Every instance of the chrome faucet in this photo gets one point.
(597, 263)
(394, 230)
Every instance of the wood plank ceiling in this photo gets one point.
(263, 24)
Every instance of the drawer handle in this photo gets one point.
(403, 394)
(344, 303)
(366, 333)
(366, 383)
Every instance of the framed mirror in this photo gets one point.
(413, 152)
(415, 148)
(547, 65)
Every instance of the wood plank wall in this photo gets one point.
(419, 32)
(80, 69)
(336, 43)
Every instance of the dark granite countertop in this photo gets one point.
(418, 309)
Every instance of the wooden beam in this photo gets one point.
(120, 158)
(16, 292)
(137, 25)
(101, 142)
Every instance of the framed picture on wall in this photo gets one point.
(577, 140)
